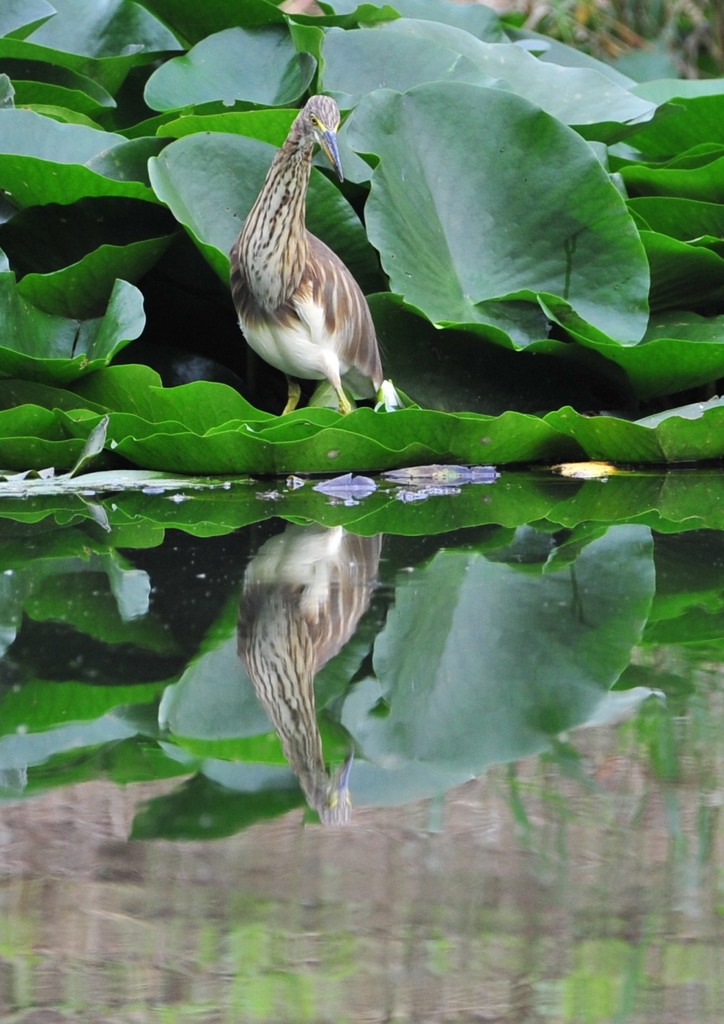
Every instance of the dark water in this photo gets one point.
(529, 828)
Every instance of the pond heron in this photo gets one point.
(299, 307)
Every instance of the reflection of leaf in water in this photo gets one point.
(480, 663)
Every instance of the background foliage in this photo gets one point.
(540, 235)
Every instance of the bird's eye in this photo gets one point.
(315, 120)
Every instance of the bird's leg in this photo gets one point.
(294, 391)
(345, 406)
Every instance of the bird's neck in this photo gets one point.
(274, 237)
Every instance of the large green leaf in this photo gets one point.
(687, 434)
(680, 350)
(78, 290)
(103, 39)
(685, 219)
(103, 28)
(683, 275)
(533, 215)
(208, 428)
(195, 20)
(254, 65)
(478, 20)
(400, 54)
(71, 257)
(692, 112)
(701, 182)
(53, 349)
(450, 369)
(17, 15)
(45, 161)
(37, 82)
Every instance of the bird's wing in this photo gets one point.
(328, 285)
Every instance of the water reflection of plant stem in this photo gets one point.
(304, 593)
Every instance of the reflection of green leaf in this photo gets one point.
(500, 660)
(214, 699)
(21, 750)
(37, 707)
(203, 809)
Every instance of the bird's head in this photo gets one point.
(318, 121)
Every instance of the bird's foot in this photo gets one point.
(387, 397)
(345, 406)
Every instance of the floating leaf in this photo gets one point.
(459, 255)
(45, 161)
(254, 65)
(53, 349)
(405, 53)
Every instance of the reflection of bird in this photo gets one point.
(304, 593)
(299, 307)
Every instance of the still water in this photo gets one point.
(452, 755)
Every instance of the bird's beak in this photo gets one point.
(329, 145)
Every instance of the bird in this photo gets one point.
(304, 593)
(298, 305)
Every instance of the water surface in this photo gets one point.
(528, 829)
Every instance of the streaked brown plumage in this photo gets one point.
(299, 307)
(304, 593)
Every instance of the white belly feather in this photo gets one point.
(299, 347)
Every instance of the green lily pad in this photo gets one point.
(22, 16)
(459, 255)
(46, 161)
(195, 21)
(54, 349)
(404, 53)
(691, 112)
(37, 82)
(702, 183)
(687, 434)
(103, 30)
(682, 275)
(684, 219)
(254, 65)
